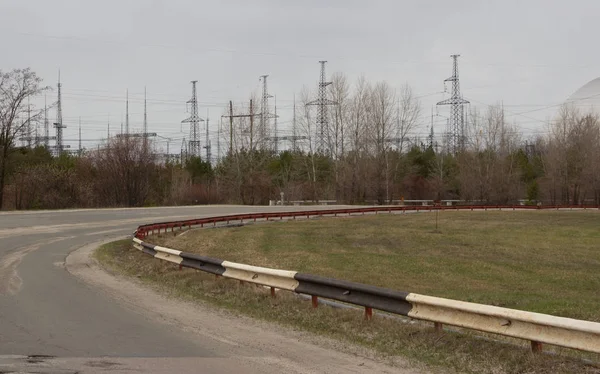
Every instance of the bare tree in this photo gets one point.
(357, 129)
(16, 87)
(307, 128)
(339, 93)
(489, 166)
(570, 146)
(123, 167)
(409, 112)
(338, 123)
(381, 131)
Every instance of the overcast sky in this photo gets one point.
(529, 55)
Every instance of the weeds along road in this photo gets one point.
(46, 310)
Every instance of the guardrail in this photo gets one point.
(536, 327)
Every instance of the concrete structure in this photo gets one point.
(587, 98)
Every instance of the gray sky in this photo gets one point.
(530, 55)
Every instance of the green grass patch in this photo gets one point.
(540, 261)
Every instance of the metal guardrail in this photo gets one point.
(144, 230)
(536, 327)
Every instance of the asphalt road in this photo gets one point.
(44, 310)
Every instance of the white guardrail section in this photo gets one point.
(536, 327)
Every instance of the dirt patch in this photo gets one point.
(273, 347)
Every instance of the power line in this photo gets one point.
(285, 54)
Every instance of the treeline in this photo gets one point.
(368, 156)
(124, 173)
(372, 155)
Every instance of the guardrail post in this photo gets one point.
(315, 301)
(368, 313)
(438, 327)
(536, 347)
(272, 291)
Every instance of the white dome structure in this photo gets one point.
(587, 98)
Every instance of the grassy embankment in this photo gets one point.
(542, 261)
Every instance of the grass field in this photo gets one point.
(540, 260)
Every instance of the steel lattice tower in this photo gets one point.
(294, 131)
(456, 123)
(59, 120)
(207, 140)
(79, 151)
(264, 130)
(322, 124)
(184, 151)
(145, 129)
(127, 114)
(194, 121)
(46, 126)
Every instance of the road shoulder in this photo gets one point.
(256, 341)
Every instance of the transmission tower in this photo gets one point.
(59, 121)
(207, 140)
(219, 141)
(264, 130)
(79, 152)
(322, 125)
(456, 123)
(46, 126)
(276, 143)
(431, 134)
(184, 151)
(145, 129)
(46, 137)
(294, 131)
(127, 113)
(194, 121)
(28, 124)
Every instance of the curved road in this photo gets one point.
(44, 310)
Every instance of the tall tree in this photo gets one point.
(16, 87)
(409, 112)
(382, 114)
